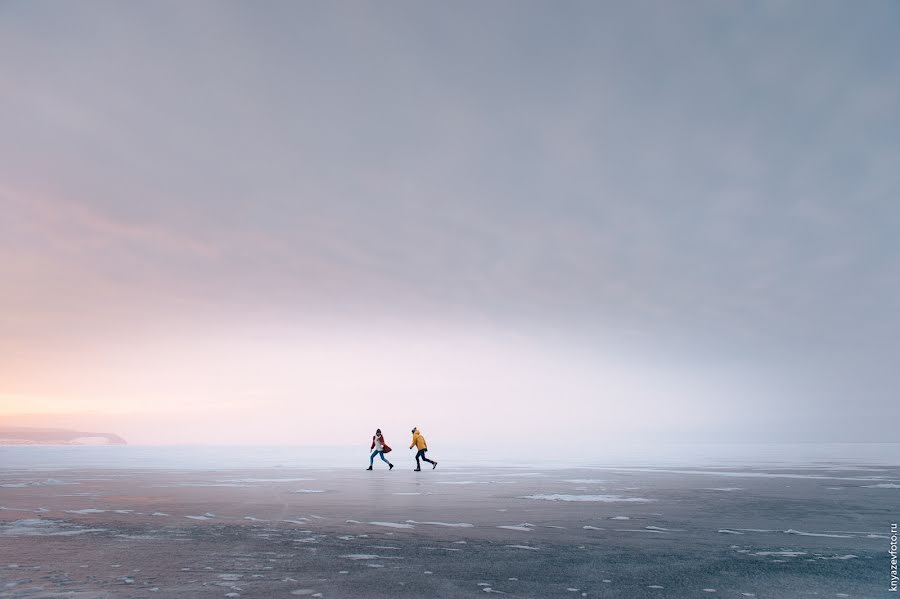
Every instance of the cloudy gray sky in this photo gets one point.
(499, 218)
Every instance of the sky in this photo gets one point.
(516, 225)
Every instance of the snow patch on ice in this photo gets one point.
(179, 485)
(263, 480)
(91, 510)
(49, 482)
(463, 482)
(524, 527)
(448, 524)
(756, 530)
(595, 498)
(40, 510)
(743, 474)
(791, 531)
(392, 524)
(34, 527)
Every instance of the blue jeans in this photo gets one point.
(375, 453)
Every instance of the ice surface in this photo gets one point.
(793, 534)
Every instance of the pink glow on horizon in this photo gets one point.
(330, 387)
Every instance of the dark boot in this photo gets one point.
(369, 468)
(433, 465)
(390, 466)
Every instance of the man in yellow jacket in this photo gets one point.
(418, 441)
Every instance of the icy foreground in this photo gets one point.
(602, 532)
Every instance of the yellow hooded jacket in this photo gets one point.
(418, 441)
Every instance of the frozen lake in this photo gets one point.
(628, 531)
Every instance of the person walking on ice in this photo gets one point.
(418, 441)
(380, 448)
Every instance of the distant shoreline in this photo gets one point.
(20, 435)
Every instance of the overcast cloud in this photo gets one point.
(706, 190)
